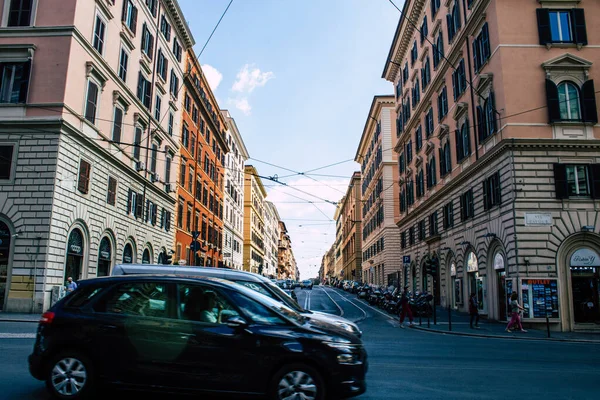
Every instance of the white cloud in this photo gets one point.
(250, 78)
(241, 104)
(213, 76)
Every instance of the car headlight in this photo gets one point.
(347, 327)
(349, 353)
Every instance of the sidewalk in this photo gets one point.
(494, 329)
(19, 317)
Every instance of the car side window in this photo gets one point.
(257, 288)
(256, 311)
(145, 299)
(204, 304)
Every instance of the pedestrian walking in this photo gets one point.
(405, 307)
(515, 309)
(71, 285)
(474, 311)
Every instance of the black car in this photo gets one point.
(190, 334)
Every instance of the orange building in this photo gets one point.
(200, 183)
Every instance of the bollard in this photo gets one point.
(548, 325)
(449, 319)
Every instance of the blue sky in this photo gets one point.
(298, 77)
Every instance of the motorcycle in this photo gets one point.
(374, 296)
(420, 304)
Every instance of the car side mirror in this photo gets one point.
(236, 322)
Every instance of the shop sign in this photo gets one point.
(105, 255)
(585, 258)
(76, 249)
(538, 219)
(127, 259)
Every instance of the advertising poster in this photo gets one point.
(540, 298)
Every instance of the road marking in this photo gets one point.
(17, 335)
(334, 302)
(374, 309)
(351, 302)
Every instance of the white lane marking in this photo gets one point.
(308, 297)
(334, 302)
(6, 335)
(374, 309)
(351, 302)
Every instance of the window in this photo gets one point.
(402, 200)
(431, 173)
(486, 116)
(409, 153)
(83, 183)
(438, 50)
(481, 48)
(129, 16)
(188, 221)
(185, 136)
(168, 168)
(180, 214)
(445, 159)
(403, 240)
(99, 32)
(190, 182)
(182, 175)
(117, 124)
(562, 26)
(162, 65)
(401, 166)
(453, 21)
(91, 102)
(177, 49)
(422, 230)
(152, 6)
(137, 141)
(157, 106)
(19, 13)
(195, 115)
(142, 299)
(429, 123)
(193, 146)
(174, 84)
(411, 235)
(567, 102)
(577, 180)
(425, 74)
(123, 61)
(261, 314)
(435, 6)
(144, 90)
(6, 161)
(459, 80)
(419, 138)
(463, 142)
(111, 195)
(165, 28)
(448, 215)
(171, 121)
(416, 94)
(203, 304)
(147, 42)
(424, 30)
(414, 54)
(153, 157)
(420, 184)
(15, 82)
(467, 208)
(433, 224)
(491, 191)
(442, 104)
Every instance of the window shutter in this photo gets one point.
(560, 181)
(117, 123)
(552, 101)
(476, 54)
(595, 180)
(496, 188)
(84, 177)
(454, 84)
(154, 214)
(462, 208)
(124, 10)
(590, 112)
(134, 14)
(24, 82)
(485, 194)
(481, 131)
(459, 149)
(150, 44)
(468, 135)
(543, 19)
(147, 213)
(579, 25)
(493, 122)
(139, 205)
(486, 48)
(140, 88)
(442, 169)
(129, 201)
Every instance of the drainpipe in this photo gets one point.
(473, 109)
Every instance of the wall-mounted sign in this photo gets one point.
(540, 298)
(406, 259)
(76, 249)
(585, 258)
(538, 219)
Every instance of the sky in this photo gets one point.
(298, 77)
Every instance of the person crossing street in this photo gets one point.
(405, 308)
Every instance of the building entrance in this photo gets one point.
(585, 284)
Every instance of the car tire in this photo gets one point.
(70, 376)
(297, 378)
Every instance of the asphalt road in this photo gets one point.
(403, 363)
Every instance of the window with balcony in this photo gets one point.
(129, 15)
(562, 26)
(14, 82)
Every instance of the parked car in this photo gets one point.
(306, 284)
(190, 334)
(253, 281)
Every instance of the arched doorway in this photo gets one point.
(146, 256)
(475, 282)
(5, 241)
(75, 252)
(104, 257)
(128, 254)
(503, 287)
(584, 264)
(453, 290)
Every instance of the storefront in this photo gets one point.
(476, 282)
(585, 285)
(75, 252)
(104, 257)
(5, 239)
(503, 286)
(455, 287)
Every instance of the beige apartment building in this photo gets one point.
(254, 221)
(349, 221)
(381, 264)
(499, 154)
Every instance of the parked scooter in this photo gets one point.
(374, 296)
(420, 304)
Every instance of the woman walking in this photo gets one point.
(515, 308)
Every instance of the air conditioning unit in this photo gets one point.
(140, 166)
(168, 188)
(155, 177)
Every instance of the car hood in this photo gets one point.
(328, 328)
(330, 319)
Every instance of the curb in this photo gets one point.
(19, 320)
(420, 328)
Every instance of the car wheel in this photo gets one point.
(70, 376)
(297, 381)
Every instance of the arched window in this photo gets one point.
(104, 257)
(128, 254)
(146, 257)
(75, 253)
(568, 101)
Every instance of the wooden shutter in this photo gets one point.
(468, 134)
(117, 125)
(476, 58)
(129, 205)
(579, 26)
(92, 99)
(139, 205)
(134, 15)
(481, 125)
(588, 102)
(496, 188)
(543, 19)
(459, 147)
(24, 86)
(463, 207)
(140, 87)
(492, 100)
(449, 24)
(552, 101)
(112, 189)
(594, 171)
(486, 195)
(150, 44)
(124, 10)
(560, 181)
(455, 83)
(154, 213)
(84, 177)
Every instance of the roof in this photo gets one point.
(232, 126)
(251, 170)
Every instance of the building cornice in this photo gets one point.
(180, 22)
(236, 134)
(377, 106)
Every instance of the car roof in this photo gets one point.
(148, 277)
(222, 273)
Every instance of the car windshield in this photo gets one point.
(277, 306)
(290, 302)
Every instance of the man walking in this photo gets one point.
(405, 308)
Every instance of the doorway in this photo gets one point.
(104, 257)
(128, 254)
(75, 251)
(5, 239)
(585, 286)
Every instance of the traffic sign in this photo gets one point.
(406, 259)
(195, 234)
(195, 245)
